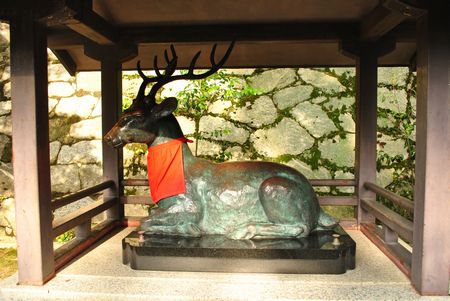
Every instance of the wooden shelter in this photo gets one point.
(111, 35)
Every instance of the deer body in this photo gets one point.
(242, 200)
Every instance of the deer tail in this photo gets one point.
(326, 221)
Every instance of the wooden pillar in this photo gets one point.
(111, 81)
(366, 125)
(31, 150)
(431, 240)
(111, 58)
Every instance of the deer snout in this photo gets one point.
(113, 140)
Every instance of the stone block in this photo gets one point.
(6, 125)
(6, 75)
(285, 138)
(237, 154)
(313, 119)
(347, 122)
(173, 88)
(97, 111)
(307, 171)
(291, 96)
(187, 125)
(7, 90)
(57, 72)
(5, 148)
(79, 106)
(393, 76)
(52, 103)
(245, 71)
(5, 107)
(344, 175)
(261, 112)
(55, 146)
(90, 175)
(207, 148)
(385, 177)
(341, 70)
(391, 146)
(6, 180)
(273, 79)
(60, 89)
(60, 212)
(321, 80)
(89, 81)
(87, 129)
(220, 129)
(8, 216)
(339, 151)
(395, 100)
(84, 152)
(219, 107)
(337, 103)
(65, 178)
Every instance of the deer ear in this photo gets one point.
(165, 108)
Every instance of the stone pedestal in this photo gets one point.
(325, 252)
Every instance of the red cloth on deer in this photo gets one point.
(165, 169)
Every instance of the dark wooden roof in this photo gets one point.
(269, 33)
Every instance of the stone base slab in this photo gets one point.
(324, 252)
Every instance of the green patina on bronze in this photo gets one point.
(241, 200)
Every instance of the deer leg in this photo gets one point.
(289, 209)
(264, 231)
(174, 216)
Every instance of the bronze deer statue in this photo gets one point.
(241, 200)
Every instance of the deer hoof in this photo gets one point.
(243, 232)
(190, 230)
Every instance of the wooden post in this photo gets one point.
(31, 150)
(111, 58)
(431, 240)
(366, 125)
(111, 81)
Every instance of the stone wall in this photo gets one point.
(301, 117)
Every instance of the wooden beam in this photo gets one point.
(397, 254)
(396, 199)
(31, 150)
(431, 252)
(391, 219)
(385, 17)
(366, 125)
(79, 16)
(242, 32)
(69, 251)
(66, 60)
(111, 83)
(68, 199)
(80, 216)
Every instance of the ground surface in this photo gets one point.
(100, 275)
(8, 262)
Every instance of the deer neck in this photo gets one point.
(169, 129)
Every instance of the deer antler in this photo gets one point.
(167, 76)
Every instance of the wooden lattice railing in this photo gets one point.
(323, 200)
(393, 233)
(81, 220)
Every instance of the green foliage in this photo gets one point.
(195, 99)
(134, 166)
(65, 237)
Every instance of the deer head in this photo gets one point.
(145, 120)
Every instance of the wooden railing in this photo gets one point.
(392, 226)
(323, 200)
(81, 220)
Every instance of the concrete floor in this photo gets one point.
(100, 275)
